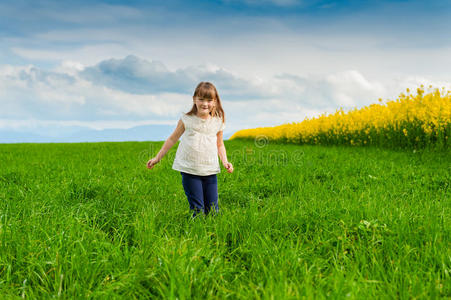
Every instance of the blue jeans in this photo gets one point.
(201, 191)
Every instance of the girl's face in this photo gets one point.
(204, 105)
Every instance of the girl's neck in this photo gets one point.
(205, 117)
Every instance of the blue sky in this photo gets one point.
(119, 65)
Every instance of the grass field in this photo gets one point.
(90, 221)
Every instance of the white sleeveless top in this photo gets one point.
(197, 152)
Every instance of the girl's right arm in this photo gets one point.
(179, 130)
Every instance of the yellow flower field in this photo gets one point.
(411, 121)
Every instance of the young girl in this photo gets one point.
(197, 154)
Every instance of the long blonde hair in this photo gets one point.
(208, 90)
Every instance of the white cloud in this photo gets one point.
(29, 124)
(71, 12)
(350, 88)
(31, 92)
(92, 14)
(69, 67)
(251, 46)
(88, 55)
(164, 104)
(34, 97)
(26, 88)
(139, 76)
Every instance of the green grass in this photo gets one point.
(90, 221)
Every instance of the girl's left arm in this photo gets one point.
(222, 152)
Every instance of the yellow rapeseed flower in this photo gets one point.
(424, 114)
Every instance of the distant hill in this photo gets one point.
(77, 134)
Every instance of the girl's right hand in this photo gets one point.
(151, 163)
(229, 167)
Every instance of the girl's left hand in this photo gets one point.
(229, 167)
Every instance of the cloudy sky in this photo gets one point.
(126, 70)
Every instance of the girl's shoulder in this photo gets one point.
(185, 117)
(189, 120)
(218, 123)
(219, 119)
